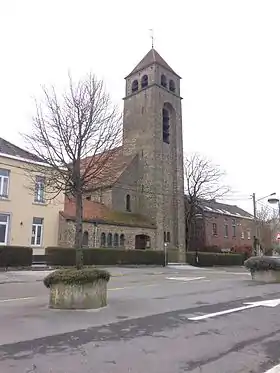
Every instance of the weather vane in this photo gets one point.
(152, 36)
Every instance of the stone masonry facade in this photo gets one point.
(153, 180)
(67, 233)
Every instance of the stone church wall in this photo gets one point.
(127, 184)
(67, 234)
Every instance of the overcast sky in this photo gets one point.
(227, 52)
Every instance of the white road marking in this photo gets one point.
(275, 369)
(15, 299)
(265, 303)
(185, 278)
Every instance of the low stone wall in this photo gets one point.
(84, 296)
(269, 276)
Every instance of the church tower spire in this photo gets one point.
(152, 128)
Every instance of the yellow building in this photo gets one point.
(27, 216)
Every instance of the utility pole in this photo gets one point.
(255, 244)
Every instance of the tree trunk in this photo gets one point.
(79, 231)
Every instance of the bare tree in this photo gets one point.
(75, 136)
(267, 221)
(203, 181)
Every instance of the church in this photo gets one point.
(142, 205)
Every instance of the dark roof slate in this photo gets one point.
(224, 209)
(212, 206)
(8, 148)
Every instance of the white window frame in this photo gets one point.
(2, 179)
(35, 236)
(242, 235)
(39, 196)
(7, 224)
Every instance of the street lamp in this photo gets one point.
(273, 201)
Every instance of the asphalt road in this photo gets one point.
(146, 326)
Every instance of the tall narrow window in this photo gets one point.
(163, 81)
(109, 240)
(128, 203)
(122, 240)
(4, 183)
(168, 239)
(214, 229)
(4, 228)
(116, 240)
(40, 189)
(134, 86)
(103, 240)
(226, 230)
(165, 125)
(144, 81)
(233, 228)
(171, 85)
(164, 236)
(249, 234)
(37, 232)
(85, 239)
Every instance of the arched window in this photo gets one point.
(122, 240)
(109, 240)
(168, 237)
(103, 240)
(164, 237)
(171, 85)
(134, 86)
(116, 240)
(165, 125)
(128, 203)
(144, 81)
(163, 80)
(85, 239)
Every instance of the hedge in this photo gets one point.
(15, 256)
(76, 276)
(58, 256)
(214, 259)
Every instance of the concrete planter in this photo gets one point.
(79, 296)
(269, 276)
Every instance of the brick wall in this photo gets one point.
(244, 231)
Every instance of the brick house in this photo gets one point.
(222, 225)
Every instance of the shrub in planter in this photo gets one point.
(77, 288)
(264, 268)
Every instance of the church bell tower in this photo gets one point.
(152, 128)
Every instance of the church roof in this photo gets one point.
(151, 58)
(106, 168)
(96, 212)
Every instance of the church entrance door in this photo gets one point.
(142, 242)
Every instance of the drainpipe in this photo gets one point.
(95, 235)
